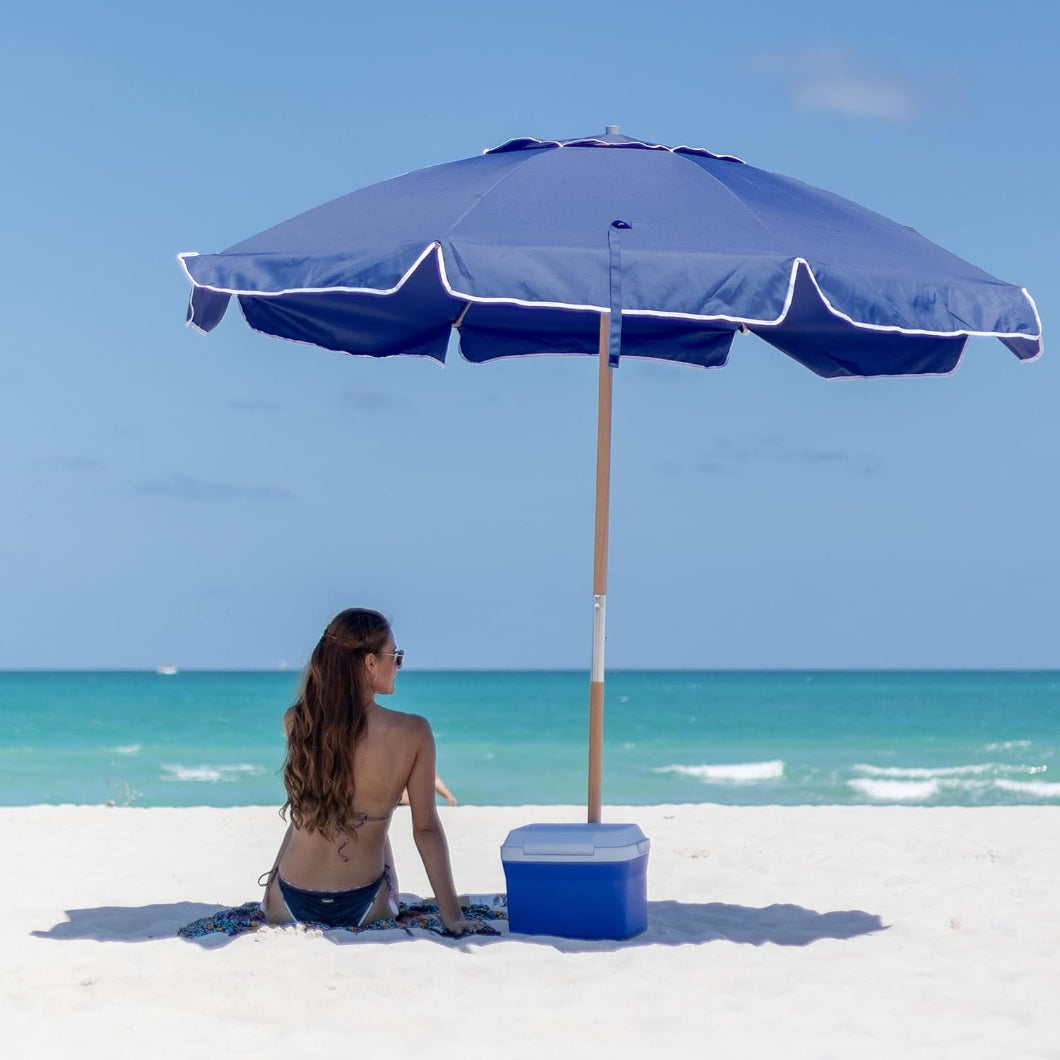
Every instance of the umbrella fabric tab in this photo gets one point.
(614, 246)
(582, 881)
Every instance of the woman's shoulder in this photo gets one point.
(288, 720)
(413, 724)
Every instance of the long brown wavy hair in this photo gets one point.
(329, 720)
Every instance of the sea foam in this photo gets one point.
(208, 773)
(733, 773)
(896, 790)
(931, 772)
(1040, 789)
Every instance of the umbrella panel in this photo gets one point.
(832, 347)
(415, 319)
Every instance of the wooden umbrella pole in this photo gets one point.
(603, 495)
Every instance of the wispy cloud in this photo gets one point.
(189, 488)
(254, 405)
(727, 455)
(839, 81)
(79, 463)
(363, 397)
(74, 464)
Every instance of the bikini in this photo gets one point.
(336, 908)
(333, 908)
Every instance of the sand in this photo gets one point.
(790, 932)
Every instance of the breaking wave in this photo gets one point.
(896, 790)
(209, 774)
(732, 773)
(1040, 789)
(925, 772)
(930, 784)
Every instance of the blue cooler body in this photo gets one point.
(577, 881)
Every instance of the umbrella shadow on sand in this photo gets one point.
(670, 923)
(128, 923)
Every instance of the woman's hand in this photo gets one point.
(460, 926)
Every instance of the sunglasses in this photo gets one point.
(399, 657)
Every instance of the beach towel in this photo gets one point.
(483, 909)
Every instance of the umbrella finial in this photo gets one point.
(611, 130)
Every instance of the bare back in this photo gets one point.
(393, 747)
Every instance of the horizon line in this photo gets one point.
(539, 669)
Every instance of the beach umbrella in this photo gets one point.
(618, 247)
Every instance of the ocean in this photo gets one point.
(968, 738)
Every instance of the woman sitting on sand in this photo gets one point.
(348, 760)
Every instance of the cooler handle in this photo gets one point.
(549, 849)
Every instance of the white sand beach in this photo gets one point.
(797, 932)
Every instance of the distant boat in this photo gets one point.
(167, 669)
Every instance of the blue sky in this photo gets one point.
(212, 501)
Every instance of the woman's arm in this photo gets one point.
(439, 786)
(428, 834)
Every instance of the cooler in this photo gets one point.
(579, 881)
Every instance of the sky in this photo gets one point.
(213, 501)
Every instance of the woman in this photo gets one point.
(348, 760)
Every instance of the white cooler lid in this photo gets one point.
(575, 842)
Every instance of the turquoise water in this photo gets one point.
(917, 738)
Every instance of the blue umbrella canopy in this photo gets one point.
(523, 247)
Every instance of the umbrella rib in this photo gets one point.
(506, 175)
(735, 198)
